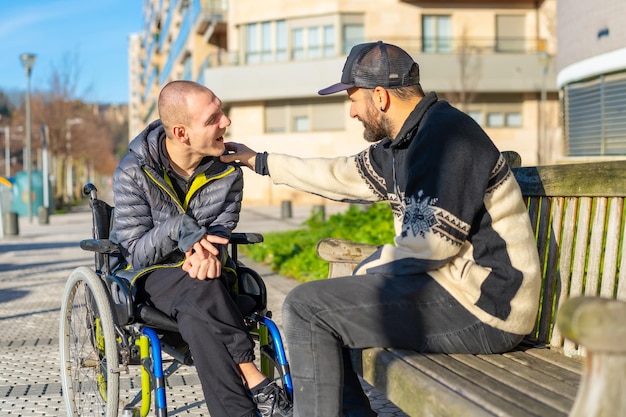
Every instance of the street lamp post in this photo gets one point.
(7, 152)
(69, 177)
(28, 61)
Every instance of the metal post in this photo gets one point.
(45, 165)
(69, 173)
(7, 152)
(28, 60)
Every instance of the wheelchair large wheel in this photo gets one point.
(89, 357)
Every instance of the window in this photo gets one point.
(476, 115)
(353, 34)
(436, 34)
(513, 119)
(266, 42)
(281, 40)
(498, 112)
(328, 116)
(275, 117)
(328, 41)
(301, 124)
(299, 38)
(297, 43)
(495, 119)
(252, 43)
(304, 117)
(504, 119)
(510, 33)
(315, 48)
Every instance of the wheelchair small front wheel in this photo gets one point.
(89, 356)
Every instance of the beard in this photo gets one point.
(377, 126)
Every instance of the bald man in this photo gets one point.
(176, 205)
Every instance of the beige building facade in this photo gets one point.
(267, 60)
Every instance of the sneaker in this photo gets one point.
(272, 401)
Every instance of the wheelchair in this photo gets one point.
(104, 333)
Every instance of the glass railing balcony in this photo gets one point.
(148, 85)
(147, 29)
(149, 53)
(165, 28)
(204, 12)
(215, 8)
(414, 46)
(177, 46)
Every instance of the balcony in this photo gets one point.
(485, 66)
(209, 13)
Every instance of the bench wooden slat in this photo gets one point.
(562, 361)
(551, 210)
(472, 386)
(562, 373)
(581, 246)
(596, 246)
(565, 263)
(577, 180)
(416, 392)
(511, 380)
(485, 376)
(536, 378)
(621, 284)
(614, 225)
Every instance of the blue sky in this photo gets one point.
(92, 35)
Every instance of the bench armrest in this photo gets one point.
(343, 255)
(596, 323)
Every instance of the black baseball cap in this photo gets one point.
(374, 64)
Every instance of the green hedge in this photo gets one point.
(292, 253)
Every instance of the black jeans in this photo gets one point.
(210, 322)
(323, 320)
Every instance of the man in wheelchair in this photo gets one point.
(176, 205)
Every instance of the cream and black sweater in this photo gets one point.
(458, 210)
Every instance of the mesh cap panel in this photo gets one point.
(376, 64)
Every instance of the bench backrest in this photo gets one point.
(577, 211)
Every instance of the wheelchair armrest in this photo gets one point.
(154, 317)
(99, 246)
(246, 238)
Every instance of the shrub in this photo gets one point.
(293, 254)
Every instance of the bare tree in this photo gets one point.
(81, 141)
(470, 64)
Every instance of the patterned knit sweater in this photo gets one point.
(458, 211)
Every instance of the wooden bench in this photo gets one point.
(578, 213)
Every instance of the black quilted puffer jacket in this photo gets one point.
(151, 224)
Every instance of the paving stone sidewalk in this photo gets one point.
(33, 268)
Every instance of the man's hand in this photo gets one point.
(202, 260)
(237, 152)
(202, 267)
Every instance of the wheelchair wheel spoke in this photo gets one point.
(88, 347)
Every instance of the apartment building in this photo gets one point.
(592, 78)
(267, 60)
